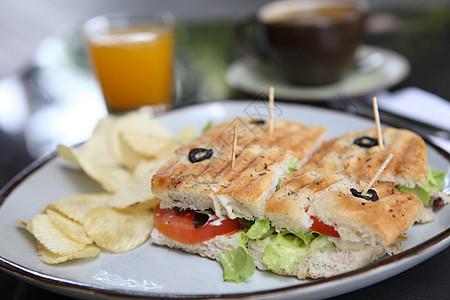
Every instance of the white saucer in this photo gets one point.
(251, 75)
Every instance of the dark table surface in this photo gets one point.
(421, 35)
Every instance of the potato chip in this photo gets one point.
(118, 230)
(52, 238)
(96, 159)
(149, 146)
(130, 158)
(132, 194)
(136, 148)
(122, 155)
(52, 258)
(26, 225)
(68, 154)
(146, 168)
(108, 174)
(77, 206)
(147, 205)
(96, 147)
(110, 177)
(139, 190)
(69, 227)
(137, 123)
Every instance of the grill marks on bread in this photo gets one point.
(295, 136)
(261, 159)
(246, 187)
(252, 180)
(379, 222)
(322, 188)
(288, 207)
(408, 167)
(328, 197)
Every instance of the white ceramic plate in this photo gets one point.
(251, 75)
(161, 272)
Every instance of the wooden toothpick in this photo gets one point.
(377, 121)
(233, 151)
(375, 177)
(271, 99)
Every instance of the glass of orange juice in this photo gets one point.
(132, 57)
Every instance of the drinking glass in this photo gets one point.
(132, 57)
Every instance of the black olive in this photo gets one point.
(438, 203)
(179, 210)
(199, 154)
(258, 122)
(373, 194)
(200, 219)
(366, 142)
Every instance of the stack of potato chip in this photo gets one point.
(121, 155)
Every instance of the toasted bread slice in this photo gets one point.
(301, 139)
(408, 167)
(262, 158)
(241, 191)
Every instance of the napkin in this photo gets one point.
(418, 104)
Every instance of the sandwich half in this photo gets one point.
(325, 198)
(199, 181)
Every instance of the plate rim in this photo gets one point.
(436, 243)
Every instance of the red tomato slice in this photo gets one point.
(180, 227)
(323, 228)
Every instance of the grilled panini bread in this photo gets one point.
(323, 187)
(301, 139)
(239, 192)
(261, 160)
(357, 155)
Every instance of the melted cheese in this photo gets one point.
(220, 202)
(346, 245)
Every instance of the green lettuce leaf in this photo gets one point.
(260, 229)
(291, 168)
(421, 193)
(238, 265)
(292, 164)
(435, 181)
(284, 251)
(306, 237)
(208, 126)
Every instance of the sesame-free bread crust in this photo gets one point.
(301, 139)
(261, 159)
(241, 191)
(408, 167)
